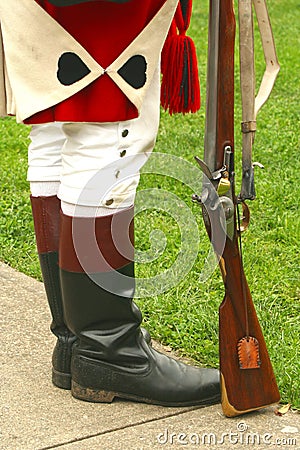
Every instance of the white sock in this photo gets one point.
(44, 188)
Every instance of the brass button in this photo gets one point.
(109, 202)
(122, 153)
(125, 133)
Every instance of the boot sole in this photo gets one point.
(102, 396)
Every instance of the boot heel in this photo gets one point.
(61, 380)
(91, 395)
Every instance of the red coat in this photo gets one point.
(104, 29)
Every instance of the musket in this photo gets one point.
(247, 377)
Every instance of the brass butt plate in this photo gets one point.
(228, 409)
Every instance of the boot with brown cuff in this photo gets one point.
(111, 357)
(46, 217)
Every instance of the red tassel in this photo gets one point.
(180, 90)
(165, 50)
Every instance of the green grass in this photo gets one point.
(186, 316)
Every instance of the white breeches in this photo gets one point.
(94, 164)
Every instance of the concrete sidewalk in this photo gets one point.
(35, 415)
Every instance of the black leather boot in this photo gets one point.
(46, 216)
(111, 357)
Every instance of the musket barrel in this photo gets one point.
(210, 139)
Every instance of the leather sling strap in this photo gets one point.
(251, 104)
(272, 65)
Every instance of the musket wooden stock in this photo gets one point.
(243, 390)
(247, 377)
